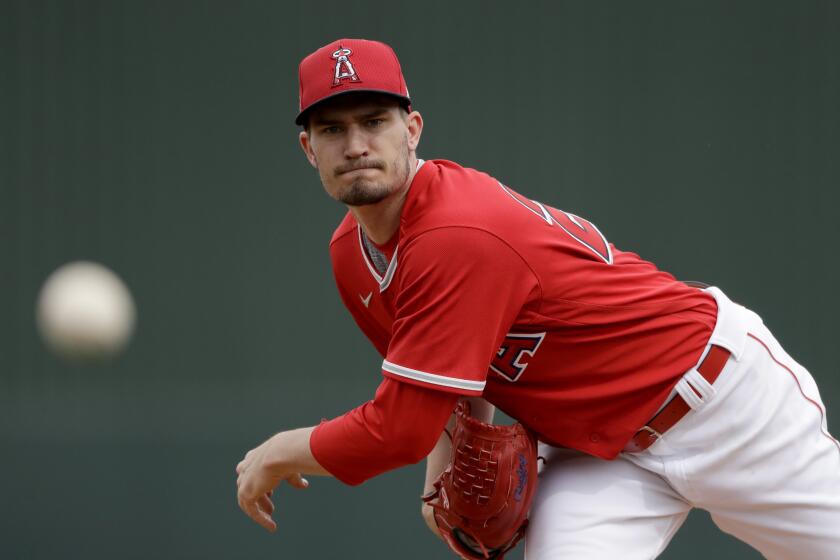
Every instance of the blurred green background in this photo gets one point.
(157, 137)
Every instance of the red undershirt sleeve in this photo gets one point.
(400, 426)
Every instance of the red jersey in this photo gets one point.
(489, 293)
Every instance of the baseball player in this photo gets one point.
(649, 396)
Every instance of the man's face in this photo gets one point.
(361, 146)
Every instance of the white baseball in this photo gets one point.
(85, 311)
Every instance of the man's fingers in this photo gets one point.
(266, 504)
(297, 481)
(262, 518)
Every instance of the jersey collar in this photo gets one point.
(384, 280)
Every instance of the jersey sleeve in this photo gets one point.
(460, 289)
(400, 426)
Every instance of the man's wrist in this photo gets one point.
(290, 453)
(276, 459)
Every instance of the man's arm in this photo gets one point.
(398, 427)
(438, 459)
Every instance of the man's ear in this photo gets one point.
(306, 146)
(415, 129)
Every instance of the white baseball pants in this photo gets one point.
(755, 452)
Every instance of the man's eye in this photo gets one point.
(373, 123)
(332, 130)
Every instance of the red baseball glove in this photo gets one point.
(481, 500)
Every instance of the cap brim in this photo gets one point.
(301, 118)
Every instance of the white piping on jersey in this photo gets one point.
(389, 274)
(383, 281)
(432, 378)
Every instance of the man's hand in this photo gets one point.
(439, 458)
(429, 517)
(280, 458)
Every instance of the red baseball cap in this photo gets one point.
(348, 66)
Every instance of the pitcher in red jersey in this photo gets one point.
(649, 396)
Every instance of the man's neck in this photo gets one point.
(381, 221)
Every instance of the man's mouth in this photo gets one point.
(342, 171)
(357, 169)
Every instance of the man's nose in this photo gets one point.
(356, 146)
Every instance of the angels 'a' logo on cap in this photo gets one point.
(343, 67)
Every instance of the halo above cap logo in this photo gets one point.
(349, 61)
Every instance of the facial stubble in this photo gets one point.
(363, 192)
